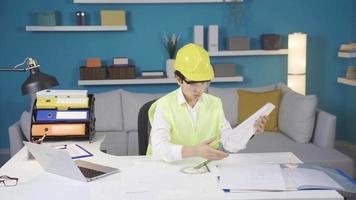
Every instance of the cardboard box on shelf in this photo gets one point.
(224, 69)
(238, 43)
(113, 17)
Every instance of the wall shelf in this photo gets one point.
(150, 1)
(250, 53)
(346, 81)
(347, 55)
(76, 28)
(152, 81)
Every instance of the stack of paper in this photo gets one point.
(256, 177)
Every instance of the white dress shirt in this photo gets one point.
(162, 148)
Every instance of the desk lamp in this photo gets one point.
(37, 80)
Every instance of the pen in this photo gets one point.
(203, 164)
(206, 166)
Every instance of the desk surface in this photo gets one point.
(141, 177)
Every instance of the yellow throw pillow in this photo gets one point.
(250, 102)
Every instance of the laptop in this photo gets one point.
(59, 162)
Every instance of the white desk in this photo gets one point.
(141, 177)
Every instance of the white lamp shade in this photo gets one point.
(297, 83)
(297, 56)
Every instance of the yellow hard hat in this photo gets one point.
(194, 63)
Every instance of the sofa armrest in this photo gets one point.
(15, 138)
(325, 128)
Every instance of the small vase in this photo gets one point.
(170, 68)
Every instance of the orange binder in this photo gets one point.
(58, 129)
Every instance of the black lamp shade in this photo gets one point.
(38, 81)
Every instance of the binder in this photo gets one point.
(213, 38)
(198, 35)
(61, 103)
(58, 116)
(58, 129)
(62, 93)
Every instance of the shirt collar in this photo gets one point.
(181, 99)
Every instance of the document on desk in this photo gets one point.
(75, 150)
(251, 177)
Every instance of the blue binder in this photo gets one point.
(62, 115)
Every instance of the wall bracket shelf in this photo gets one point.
(250, 53)
(139, 81)
(76, 28)
(346, 81)
(347, 55)
(151, 1)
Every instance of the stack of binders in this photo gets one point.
(63, 114)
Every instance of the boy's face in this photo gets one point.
(192, 91)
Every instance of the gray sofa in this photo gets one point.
(306, 131)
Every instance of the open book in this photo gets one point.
(304, 179)
(271, 177)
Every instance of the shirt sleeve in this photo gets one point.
(162, 148)
(231, 141)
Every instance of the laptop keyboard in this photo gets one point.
(90, 173)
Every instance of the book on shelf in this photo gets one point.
(120, 61)
(348, 48)
(152, 73)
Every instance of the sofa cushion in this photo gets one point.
(131, 104)
(229, 99)
(283, 87)
(250, 102)
(132, 143)
(108, 111)
(25, 124)
(115, 143)
(308, 153)
(297, 116)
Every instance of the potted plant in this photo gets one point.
(171, 45)
(236, 13)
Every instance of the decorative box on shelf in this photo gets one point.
(93, 73)
(47, 18)
(238, 43)
(63, 118)
(122, 72)
(224, 69)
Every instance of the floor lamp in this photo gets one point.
(297, 59)
(37, 80)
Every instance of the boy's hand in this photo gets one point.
(260, 124)
(204, 150)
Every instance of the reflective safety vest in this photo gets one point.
(180, 123)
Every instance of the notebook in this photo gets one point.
(59, 162)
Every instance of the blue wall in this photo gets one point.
(328, 23)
